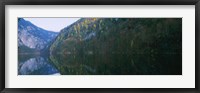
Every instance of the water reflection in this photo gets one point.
(118, 64)
(36, 66)
(91, 63)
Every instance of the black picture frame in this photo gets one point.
(99, 2)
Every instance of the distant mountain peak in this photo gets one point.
(33, 37)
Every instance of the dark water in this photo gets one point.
(101, 64)
(35, 65)
(118, 64)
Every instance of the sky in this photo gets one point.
(52, 24)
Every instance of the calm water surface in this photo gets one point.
(36, 65)
(101, 64)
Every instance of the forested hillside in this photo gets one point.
(119, 46)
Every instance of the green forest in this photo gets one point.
(119, 46)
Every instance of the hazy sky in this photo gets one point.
(52, 24)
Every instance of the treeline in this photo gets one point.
(136, 35)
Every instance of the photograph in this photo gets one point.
(137, 46)
(99, 46)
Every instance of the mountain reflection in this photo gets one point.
(100, 64)
(117, 64)
(36, 66)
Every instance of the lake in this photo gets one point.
(100, 64)
(30, 64)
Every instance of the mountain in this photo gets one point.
(128, 33)
(32, 38)
(98, 42)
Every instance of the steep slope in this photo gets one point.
(128, 33)
(100, 44)
(31, 37)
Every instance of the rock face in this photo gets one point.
(33, 37)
